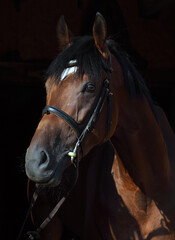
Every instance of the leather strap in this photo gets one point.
(68, 119)
(79, 128)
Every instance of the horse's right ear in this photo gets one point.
(100, 34)
(62, 34)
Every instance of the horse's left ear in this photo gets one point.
(62, 34)
(100, 35)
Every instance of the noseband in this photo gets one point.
(82, 129)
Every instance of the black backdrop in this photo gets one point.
(27, 45)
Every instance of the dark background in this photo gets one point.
(143, 28)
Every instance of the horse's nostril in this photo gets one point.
(44, 158)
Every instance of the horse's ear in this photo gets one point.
(62, 34)
(100, 35)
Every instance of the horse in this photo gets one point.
(100, 118)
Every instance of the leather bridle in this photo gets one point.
(81, 131)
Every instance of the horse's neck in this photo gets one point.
(140, 144)
(167, 133)
(100, 161)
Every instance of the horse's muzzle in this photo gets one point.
(42, 169)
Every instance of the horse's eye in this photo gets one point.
(90, 87)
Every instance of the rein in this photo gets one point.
(81, 131)
(34, 235)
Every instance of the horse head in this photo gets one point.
(76, 116)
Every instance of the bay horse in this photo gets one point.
(99, 112)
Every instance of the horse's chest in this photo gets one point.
(135, 215)
(144, 212)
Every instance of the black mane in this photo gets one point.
(133, 80)
(88, 58)
(90, 61)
